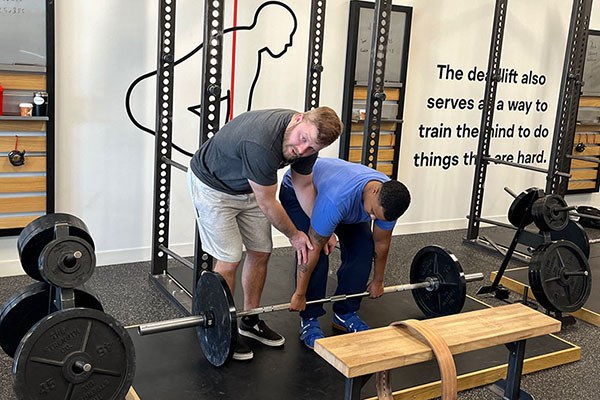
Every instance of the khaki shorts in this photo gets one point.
(227, 221)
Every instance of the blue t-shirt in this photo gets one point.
(339, 186)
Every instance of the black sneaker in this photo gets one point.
(261, 332)
(242, 352)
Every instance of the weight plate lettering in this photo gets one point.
(575, 234)
(520, 209)
(67, 262)
(441, 265)
(213, 298)
(29, 305)
(76, 353)
(35, 236)
(546, 215)
(559, 276)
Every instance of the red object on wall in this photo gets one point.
(1, 98)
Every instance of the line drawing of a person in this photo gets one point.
(275, 48)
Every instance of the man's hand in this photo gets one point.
(375, 289)
(330, 245)
(298, 302)
(301, 244)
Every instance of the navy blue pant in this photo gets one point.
(356, 245)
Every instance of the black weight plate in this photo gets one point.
(438, 263)
(23, 310)
(213, 297)
(546, 217)
(78, 353)
(35, 236)
(29, 305)
(574, 233)
(520, 210)
(552, 288)
(67, 262)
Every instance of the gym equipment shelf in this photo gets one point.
(27, 190)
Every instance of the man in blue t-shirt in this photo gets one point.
(349, 197)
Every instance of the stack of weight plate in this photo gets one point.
(63, 344)
(559, 272)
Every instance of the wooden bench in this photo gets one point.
(358, 355)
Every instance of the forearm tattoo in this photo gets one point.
(317, 239)
(303, 268)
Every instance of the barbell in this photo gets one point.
(438, 285)
(559, 272)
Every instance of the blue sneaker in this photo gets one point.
(350, 322)
(310, 330)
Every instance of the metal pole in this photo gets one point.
(529, 167)
(487, 116)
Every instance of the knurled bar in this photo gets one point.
(568, 101)
(210, 109)
(375, 90)
(487, 117)
(315, 54)
(163, 134)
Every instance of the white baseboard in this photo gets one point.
(11, 268)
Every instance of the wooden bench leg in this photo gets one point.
(354, 385)
(510, 389)
(515, 369)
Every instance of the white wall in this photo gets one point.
(104, 164)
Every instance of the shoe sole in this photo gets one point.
(307, 345)
(267, 342)
(243, 356)
(343, 328)
(339, 327)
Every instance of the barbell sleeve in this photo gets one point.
(509, 191)
(576, 214)
(172, 324)
(193, 321)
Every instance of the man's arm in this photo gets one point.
(382, 240)
(305, 191)
(304, 271)
(273, 210)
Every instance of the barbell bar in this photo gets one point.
(438, 286)
(204, 319)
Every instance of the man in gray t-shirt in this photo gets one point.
(233, 181)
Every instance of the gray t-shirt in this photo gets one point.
(249, 147)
